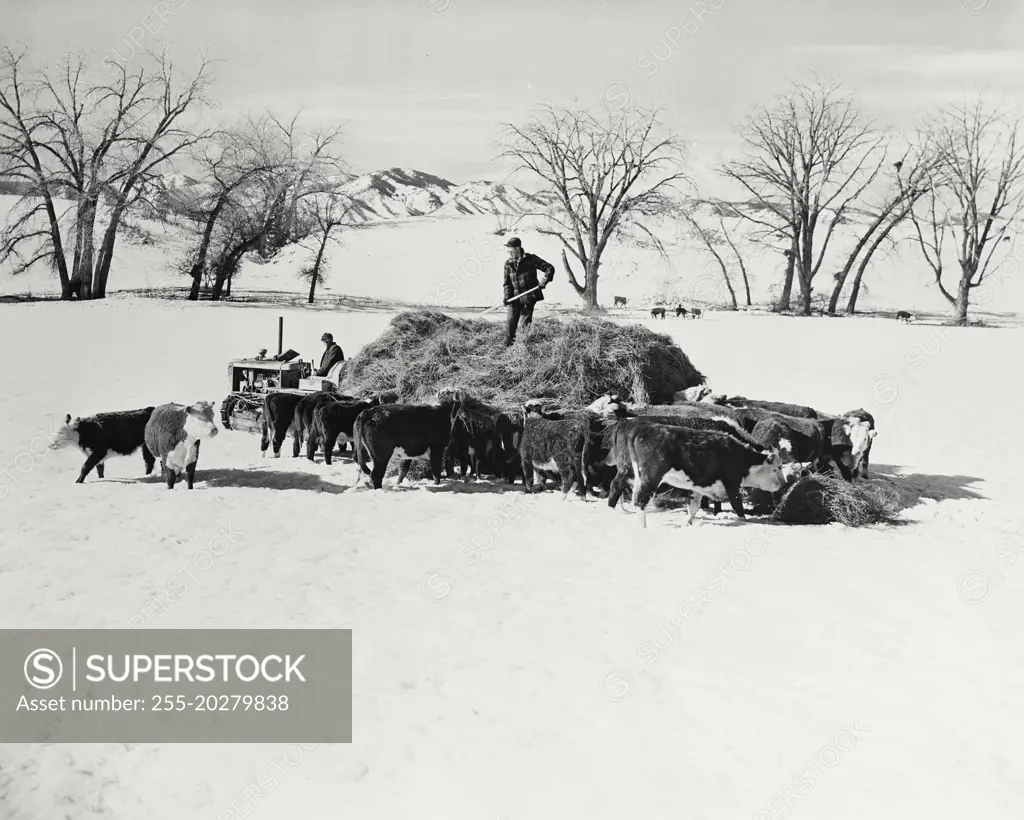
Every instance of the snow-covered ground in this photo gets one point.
(528, 658)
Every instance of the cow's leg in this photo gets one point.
(311, 443)
(169, 475)
(694, 506)
(527, 475)
(581, 481)
(566, 476)
(380, 466)
(436, 464)
(296, 441)
(403, 470)
(264, 438)
(149, 459)
(330, 437)
(99, 469)
(735, 501)
(190, 469)
(95, 457)
(279, 436)
(617, 488)
(643, 496)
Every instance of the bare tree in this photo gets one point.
(100, 142)
(328, 214)
(606, 173)
(976, 195)
(727, 235)
(909, 182)
(233, 162)
(808, 158)
(711, 240)
(24, 159)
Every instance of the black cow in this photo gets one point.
(658, 313)
(414, 431)
(302, 420)
(619, 300)
(800, 451)
(704, 462)
(696, 410)
(510, 433)
(278, 414)
(333, 420)
(905, 316)
(796, 410)
(120, 433)
(680, 311)
(696, 313)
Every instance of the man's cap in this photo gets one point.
(514, 242)
(326, 337)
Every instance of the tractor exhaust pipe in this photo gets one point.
(280, 335)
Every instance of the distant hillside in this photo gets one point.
(392, 193)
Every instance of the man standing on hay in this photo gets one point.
(520, 278)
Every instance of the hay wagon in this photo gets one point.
(250, 380)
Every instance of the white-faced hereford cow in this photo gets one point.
(106, 434)
(852, 436)
(705, 462)
(416, 432)
(173, 434)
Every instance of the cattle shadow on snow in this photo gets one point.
(912, 487)
(265, 480)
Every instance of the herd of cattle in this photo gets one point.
(707, 444)
(659, 312)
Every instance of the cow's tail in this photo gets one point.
(359, 450)
(316, 431)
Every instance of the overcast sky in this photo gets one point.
(427, 83)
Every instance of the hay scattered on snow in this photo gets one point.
(572, 361)
(825, 499)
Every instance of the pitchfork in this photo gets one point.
(519, 296)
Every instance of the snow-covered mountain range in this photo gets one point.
(400, 193)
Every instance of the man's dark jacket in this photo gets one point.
(332, 355)
(521, 276)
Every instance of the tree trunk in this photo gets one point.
(106, 255)
(851, 305)
(204, 248)
(316, 265)
(590, 295)
(787, 284)
(963, 298)
(739, 259)
(805, 268)
(82, 270)
(841, 277)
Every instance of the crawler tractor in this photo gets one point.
(250, 380)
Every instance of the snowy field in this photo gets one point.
(527, 658)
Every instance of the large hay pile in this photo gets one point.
(825, 499)
(572, 361)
